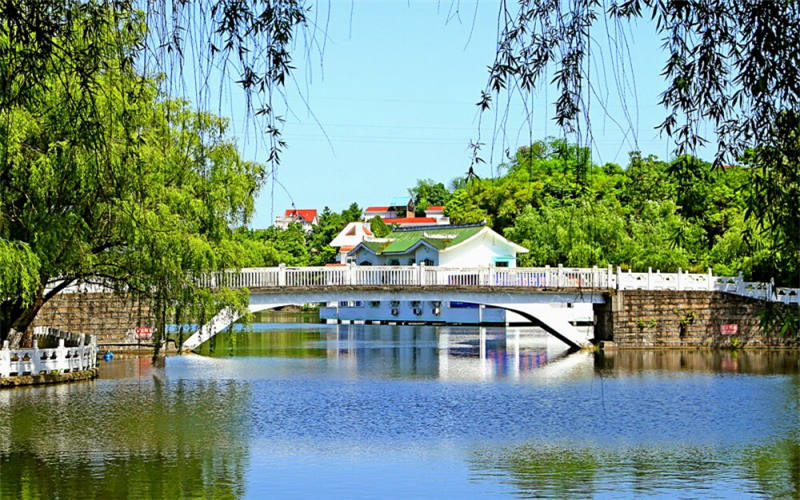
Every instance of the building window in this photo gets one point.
(428, 262)
(501, 263)
(394, 262)
(411, 262)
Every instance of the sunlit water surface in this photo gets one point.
(391, 411)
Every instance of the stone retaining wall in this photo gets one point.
(48, 378)
(644, 318)
(111, 317)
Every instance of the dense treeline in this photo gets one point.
(665, 215)
(293, 246)
(567, 210)
(121, 183)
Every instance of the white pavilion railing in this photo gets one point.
(496, 277)
(35, 361)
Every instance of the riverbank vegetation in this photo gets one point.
(651, 213)
(104, 175)
(551, 198)
(116, 183)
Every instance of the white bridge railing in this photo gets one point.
(35, 361)
(518, 277)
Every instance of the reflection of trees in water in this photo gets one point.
(197, 475)
(538, 470)
(150, 439)
(766, 362)
(281, 343)
(776, 468)
(548, 470)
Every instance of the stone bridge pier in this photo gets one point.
(671, 318)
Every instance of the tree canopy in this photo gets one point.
(128, 186)
(649, 214)
(728, 65)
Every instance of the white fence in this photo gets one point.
(518, 277)
(60, 359)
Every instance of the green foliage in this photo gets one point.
(19, 271)
(462, 210)
(428, 193)
(688, 318)
(128, 186)
(707, 45)
(651, 323)
(665, 215)
(774, 205)
(293, 246)
(378, 227)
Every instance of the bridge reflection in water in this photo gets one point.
(470, 353)
(433, 352)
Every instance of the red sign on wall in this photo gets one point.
(728, 329)
(144, 332)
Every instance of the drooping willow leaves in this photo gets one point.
(729, 64)
(103, 176)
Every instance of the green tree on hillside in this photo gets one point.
(378, 227)
(127, 186)
(428, 193)
(774, 202)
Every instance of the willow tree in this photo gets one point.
(102, 176)
(729, 66)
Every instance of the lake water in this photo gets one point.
(299, 411)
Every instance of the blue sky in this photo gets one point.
(391, 99)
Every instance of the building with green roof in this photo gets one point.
(466, 245)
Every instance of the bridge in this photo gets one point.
(528, 291)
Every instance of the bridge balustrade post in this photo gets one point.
(5, 360)
(281, 274)
(595, 277)
(710, 280)
(649, 278)
(352, 277)
(62, 363)
(36, 359)
(740, 283)
(678, 280)
(546, 276)
(560, 279)
(422, 273)
(609, 275)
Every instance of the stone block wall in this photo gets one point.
(112, 317)
(644, 318)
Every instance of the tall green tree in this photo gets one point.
(428, 193)
(774, 203)
(378, 227)
(124, 185)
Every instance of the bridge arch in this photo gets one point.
(533, 306)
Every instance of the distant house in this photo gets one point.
(397, 207)
(352, 234)
(436, 212)
(467, 245)
(410, 221)
(382, 212)
(306, 217)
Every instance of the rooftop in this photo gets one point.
(410, 220)
(307, 214)
(439, 237)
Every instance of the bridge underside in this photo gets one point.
(530, 304)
